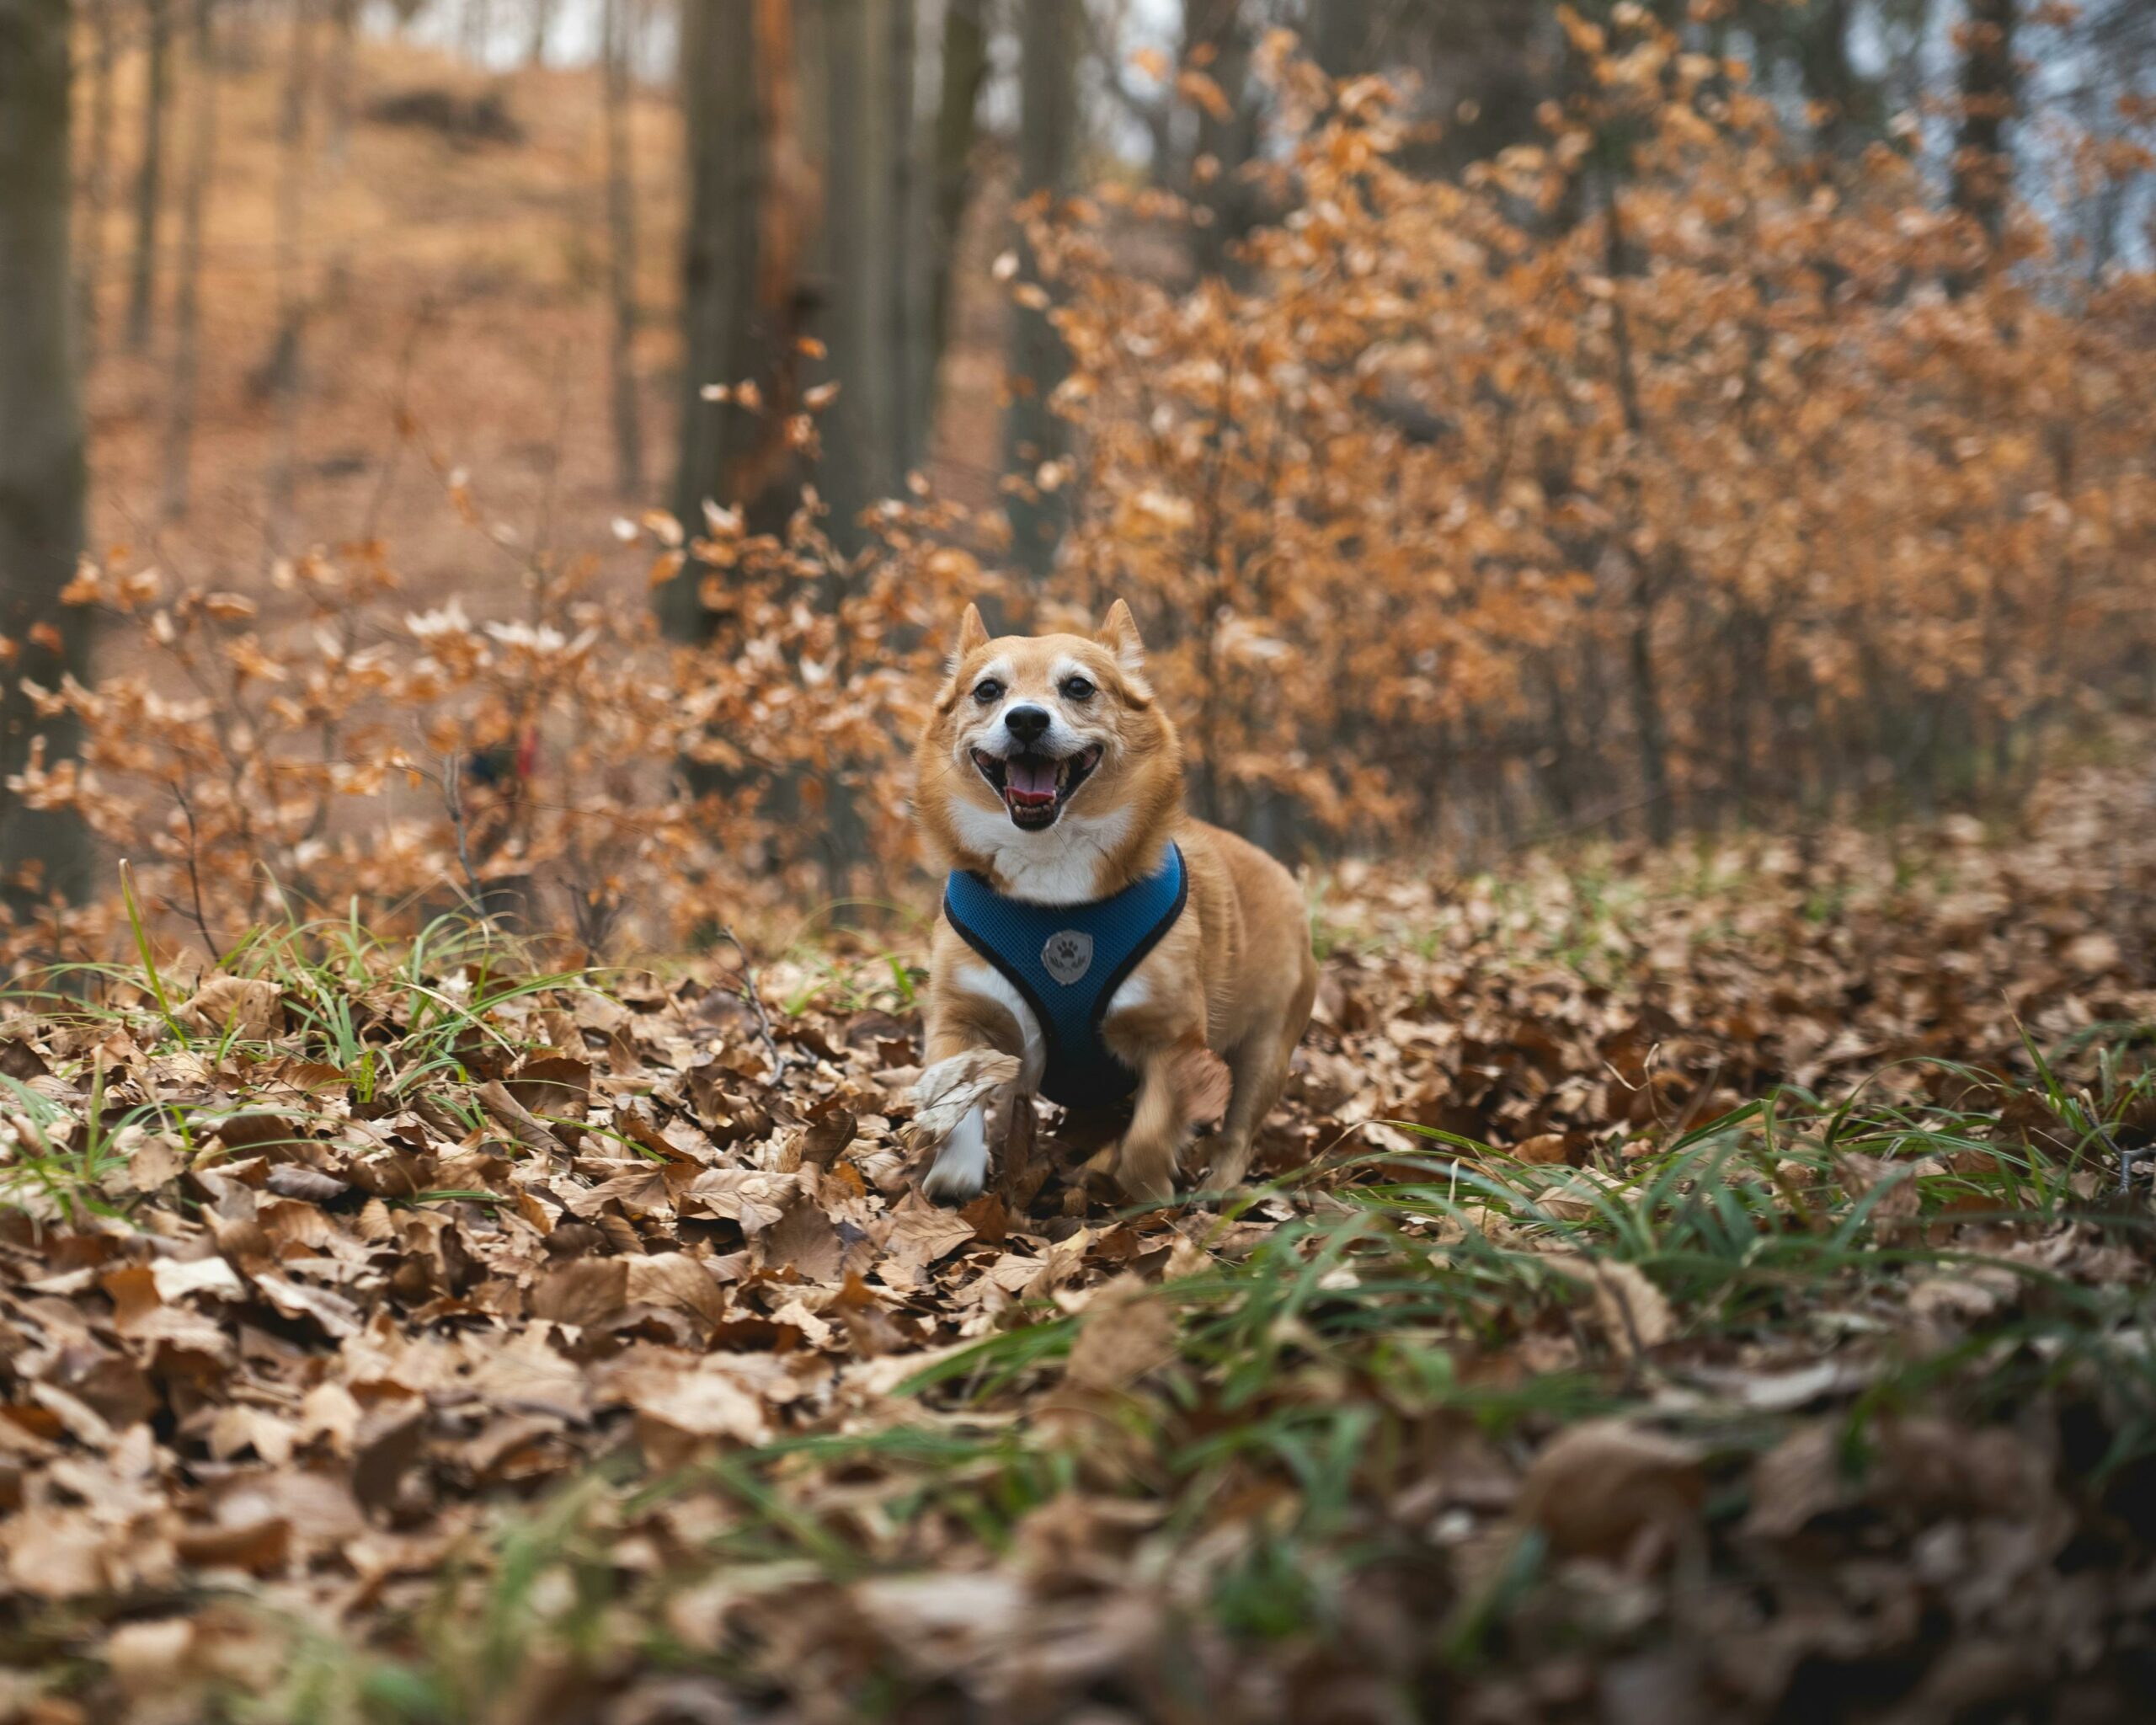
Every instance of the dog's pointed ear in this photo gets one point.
(972, 633)
(1119, 635)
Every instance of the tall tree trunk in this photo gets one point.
(542, 25)
(859, 429)
(1217, 43)
(728, 181)
(1982, 170)
(286, 359)
(1048, 147)
(964, 71)
(98, 184)
(1849, 102)
(1647, 723)
(1343, 35)
(754, 204)
(622, 251)
(913, 359)
(149, 174)
(854, 113)
(42, 851)
(187, 309)
(1650, 731)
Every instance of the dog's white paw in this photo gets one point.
(961, 1168)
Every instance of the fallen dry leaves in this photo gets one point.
(525, 1341)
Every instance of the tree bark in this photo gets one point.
(1660, 815)
(1217, 42)
(912, 358)
(42, 851)
(1048, 147)
(1850, 103)
(1650, 730)
(1343, 35)
(622, 251)
(859, 430)
(726, 106)
(149, 174)
(747, 300)
(964, 71)
(1982, 170)
(98, 182)
(186, 307)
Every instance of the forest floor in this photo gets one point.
(451, 268)
(1700, 1286)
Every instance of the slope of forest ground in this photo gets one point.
(1707, 1286)
(456, 280)
(450, 284)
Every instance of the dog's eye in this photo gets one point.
(987, 692)
(1077, 689)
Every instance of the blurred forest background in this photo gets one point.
(1508, 419)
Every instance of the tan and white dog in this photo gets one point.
(1049, 774)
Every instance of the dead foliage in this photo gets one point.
(1703, 1286)
(1654, 468)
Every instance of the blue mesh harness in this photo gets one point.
(1066, 961)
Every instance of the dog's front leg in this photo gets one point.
(965, 1012)
(960, 1169)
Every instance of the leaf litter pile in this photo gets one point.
(1713, 1288)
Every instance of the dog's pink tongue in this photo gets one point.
(1031, 781)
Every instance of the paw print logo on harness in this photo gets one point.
(1067, 955)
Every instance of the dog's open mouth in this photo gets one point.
(1034, 787)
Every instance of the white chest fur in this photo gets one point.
(1061, 866)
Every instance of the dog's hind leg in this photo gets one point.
(1258, 1065)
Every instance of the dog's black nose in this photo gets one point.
(1028, 725)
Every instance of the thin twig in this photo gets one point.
(754, 996)
(542, 532)
(593, 911)
(453, 794)
(400, 420)
(194, 878)
(1698, 1101)
(1593, 818)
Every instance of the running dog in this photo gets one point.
(1091, 927)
